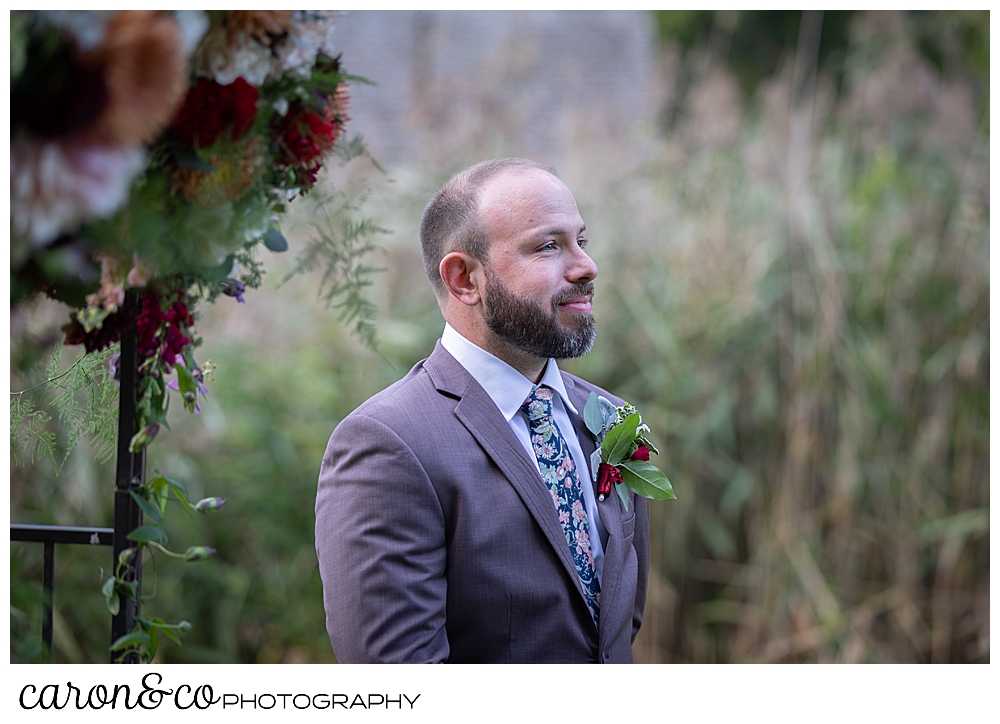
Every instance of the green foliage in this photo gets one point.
(339, 246)
(85, 397)
(617, 442)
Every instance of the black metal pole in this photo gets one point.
(130, 475)
(48, 572)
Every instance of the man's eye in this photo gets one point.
(549, 246)
(582, 243)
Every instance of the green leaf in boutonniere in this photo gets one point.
(617, 442)
(592, 416)
(622, 494)
(647, 480)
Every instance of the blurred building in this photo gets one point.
(517, 82)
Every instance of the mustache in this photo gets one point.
(580, 289)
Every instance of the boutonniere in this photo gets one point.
(622, 455)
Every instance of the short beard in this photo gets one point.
(528, 327)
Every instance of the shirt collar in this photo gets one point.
(507, 387)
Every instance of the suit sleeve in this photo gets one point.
(380, 542)
(641, 543)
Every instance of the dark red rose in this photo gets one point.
(211, 109)
(642, 453)
(305, 136)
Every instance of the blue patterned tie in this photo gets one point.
(559, 473)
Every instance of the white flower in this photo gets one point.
(281, 106)
(312, 32)
(54, 188)
(223, 64)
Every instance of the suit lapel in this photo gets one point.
(610, 509)
(478, 413)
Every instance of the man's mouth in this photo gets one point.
(576, 299)
(579, 305)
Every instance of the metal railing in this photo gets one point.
(129, 476)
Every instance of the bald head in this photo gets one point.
(451, 220)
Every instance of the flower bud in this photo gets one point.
(145, 436)
(198, 553)
(233, 288)
(206, 505)
(126, 556)
(184, 626)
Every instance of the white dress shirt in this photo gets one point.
(508, 389)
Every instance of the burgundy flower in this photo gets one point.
(642, 453)
(210, 109)
(174, 322)
(111, 330)
(305, 136)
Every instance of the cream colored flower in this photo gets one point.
(56, 187)
(223, 63)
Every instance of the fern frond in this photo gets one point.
(30, 437)
(91, 414)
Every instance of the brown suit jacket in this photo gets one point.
(438, 541)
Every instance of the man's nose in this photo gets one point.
(583, 268)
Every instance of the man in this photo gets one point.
(456, 519)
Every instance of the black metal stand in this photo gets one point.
(131, 472)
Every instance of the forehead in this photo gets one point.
(523, 200)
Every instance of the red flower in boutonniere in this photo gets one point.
(622, 457)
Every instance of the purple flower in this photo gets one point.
(233, 288)
(115, 368)
(174, 385)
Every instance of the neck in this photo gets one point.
(480, 335)
(528, 365)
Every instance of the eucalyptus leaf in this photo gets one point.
(148, 509)
(608, 411)
(147, 533)
(622, 493)
(618, 440)
(595, 463)
(275, 240)
(592, 416)
(222, 271)
(647, 480)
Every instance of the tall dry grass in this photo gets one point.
(808, 323)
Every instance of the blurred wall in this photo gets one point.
(538, 77)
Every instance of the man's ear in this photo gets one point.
(462, 276)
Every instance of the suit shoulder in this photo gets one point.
(407, 402)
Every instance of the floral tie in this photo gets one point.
(559, 473)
